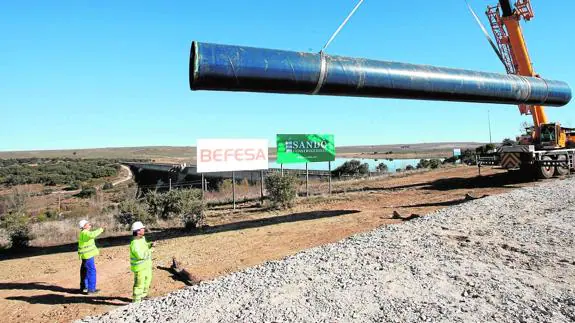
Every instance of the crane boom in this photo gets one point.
(548, 149)
(509, 36)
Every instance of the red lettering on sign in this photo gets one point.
(250, 154)
(238, 154)
(217, 155)
(229, 153)
(261, 155)
(205, 155)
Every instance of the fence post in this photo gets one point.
(262, 185)
(234, 188)
(329, 170)
(306, 181)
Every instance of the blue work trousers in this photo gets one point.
(88, 275)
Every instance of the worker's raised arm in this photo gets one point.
(95, 233)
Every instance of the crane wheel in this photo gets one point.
(544, 172)
(562, 170)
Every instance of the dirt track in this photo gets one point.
(42, 288)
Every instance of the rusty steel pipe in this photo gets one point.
(238, 68)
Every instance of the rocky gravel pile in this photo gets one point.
(505, 258)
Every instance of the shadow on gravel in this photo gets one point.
(37, 286)
(53, 299)
(445, 203)
(506, 180)
(158, 235)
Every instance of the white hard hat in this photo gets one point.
(137, 226)
(83, 223)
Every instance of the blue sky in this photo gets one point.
(84, 74)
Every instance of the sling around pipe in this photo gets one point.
(248, 69)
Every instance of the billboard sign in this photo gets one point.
(225, 155)
(299, 148)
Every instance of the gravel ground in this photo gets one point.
(505, 258)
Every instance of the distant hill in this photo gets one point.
(188, 153)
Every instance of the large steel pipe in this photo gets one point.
(236, 68)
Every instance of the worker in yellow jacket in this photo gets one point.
(141, 261)
(87, 251)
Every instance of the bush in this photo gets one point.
(17, 226)
(508, 142)
(225, 186)
(282, 190)
(352, 168)
(54, 171)
(73, 186)
(131, 211)
(423, 163)
(107, 186)
(434, 163)
(185, 204)
(154, 203)
(481, 150)
(429, 163)
(86, 192)
(409, 167)
(382, 168)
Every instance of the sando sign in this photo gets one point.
(226, 155)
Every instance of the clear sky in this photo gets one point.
(84, 74)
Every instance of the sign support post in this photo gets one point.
(202, 186)
(329, 178)
(262, 185)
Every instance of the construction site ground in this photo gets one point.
(41, 285)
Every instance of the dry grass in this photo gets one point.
(4, 239)
(49, 233)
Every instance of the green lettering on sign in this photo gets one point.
(292, 148)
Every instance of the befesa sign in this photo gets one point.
(225, 155)
(298, 148)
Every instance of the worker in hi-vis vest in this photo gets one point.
(87, 251)
(141, 261)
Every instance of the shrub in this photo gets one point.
(107, 186)
(17, 226)
(434, 163)
(382, 168)
(409, 167)
(225, 186)
(282, 190)
(352, 168)
(154, 203)
(131, 211)
(508, 142)
(423, 163)
(185, 204)
(429, 163)
(86, 192)
(484, 149)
